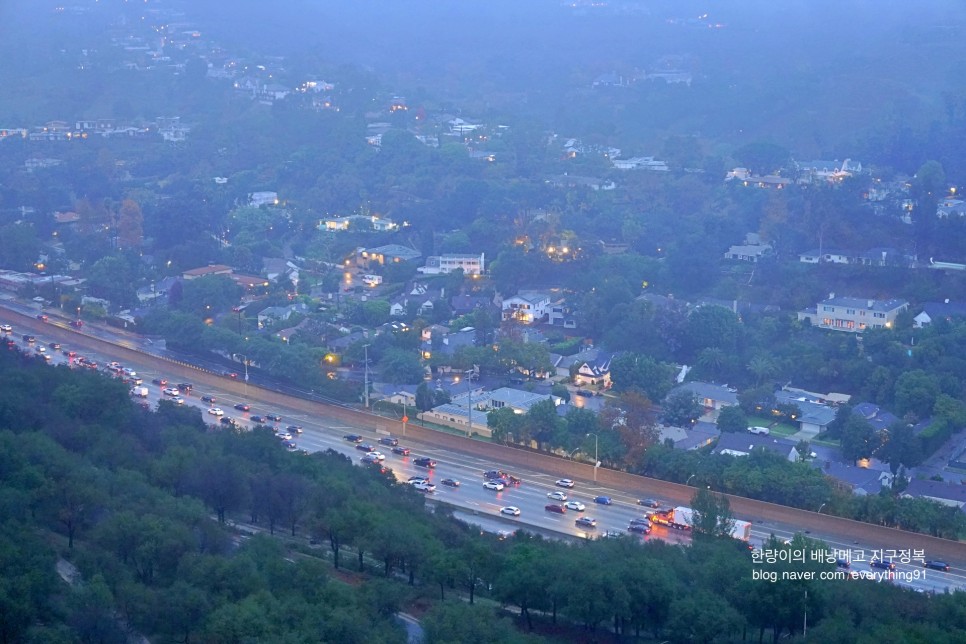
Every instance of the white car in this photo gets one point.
(424, 486)
(493, 485)
(557, 496)
(284, 435)
(761, 431)
(511, 510)
(172, 391)
(564, 483)
(178, 400)
(214, 411)
(577, 506)
(6, 328)
(376, 456)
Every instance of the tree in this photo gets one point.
(681, 409)
(130, 223)
(900, 447)
(732, 420)
(916, 392)
(712, 327)
(424, 397)
(712, 514)
(761, 366)
(505, 424)
(399, 366)
(19, 246)
(633, 371)
(858, 437)
(762, 157)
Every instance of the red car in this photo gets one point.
(553, 507)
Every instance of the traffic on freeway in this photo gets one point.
(568, 507)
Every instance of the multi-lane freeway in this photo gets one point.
(323, 428)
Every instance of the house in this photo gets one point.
(700, 435)
(859, 481)
(746, 178)
(740, 444)
(265, 198)
(950, 207)
(831, 171)
(588, 367)
(444, 264)
(357, 223)
(463, 304)
(446, 343)
(748, 253)
(818, 256)
(272, 314)
(814, 417)
(709, 395)
(527, 307)
(853, 314)
(205, 271)
(389, 254)
(951, 494)
(879, 418)
(935, 311)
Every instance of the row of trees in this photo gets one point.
(125, 495)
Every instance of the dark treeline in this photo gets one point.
(138, 503)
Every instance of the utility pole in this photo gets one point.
(365, 392)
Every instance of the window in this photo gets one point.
(850, 311)
(828, 309)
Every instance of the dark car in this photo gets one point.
(161, 382)
(208, 399)
(884, 565)
(388, 440)
(603, 500)
(424, 462)
(243, 407)
(294, 429)
(641, 521)
(261, 420)
(649, 503)
(402, 451)
(937, 565)
(586, 522)
(228, 420)
(584, 392)
(275, 418)
(843, 563)
(639, 529)
(29, 338)
(494, 474)
(54, 345)
(185, 386)
(353, 438)
(553, 507)
(450, 482)
(365, 447)
(42, 317)
(77, 323)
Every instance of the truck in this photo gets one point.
(682, 518)
(139, 392)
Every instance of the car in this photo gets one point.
(77, 323)
(171, 391)
(228, 420)
(161, 382)
(567, 483)
(29, 338)
(376, 456)
(586, 522)
(70, 354)
(649, 503)
(577, 506)
(603, 500)
(230, 374)
(413, 479)
(450, 482)
(557, 496)
(216, 411)
(41, 349)
(883, 565)
(842, 563)
(937, 565)
(261, 420)
(514, 480)
(285, 436)
(553, 507)
(352, 438)
(275, 418)
(510, 510)
(42, 317)
(178, 400)
(424, 461)
(130, 373)
(587, 393)
(494, 474)
(639, 529)
(388, 440)
(295, 429)
(640, 521)
(54, 345)
(760, 431)
(185, 386)
(493, 485)
(424, 486)
(243, 407)
(402, 451)
(365, 447)
(208, 399)
(6, 328)
(290, 445)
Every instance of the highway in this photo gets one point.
(323, 431)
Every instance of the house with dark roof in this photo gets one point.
(879, 418)
(860, 481)
(740, 444)
(952, 494)
(814, 416)
(388, 254)
(934, 311)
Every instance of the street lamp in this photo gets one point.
(245, 362)
(596, 460)
(689, 479)
(822, 506)
(469, 400)
(365, 348)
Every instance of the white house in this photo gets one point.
(853, 314)
(264, 198)
(526, 306)
(444, 264)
